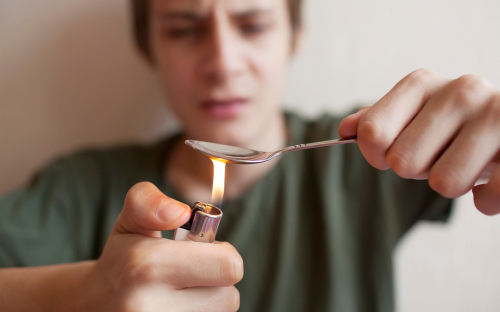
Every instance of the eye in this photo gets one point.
(253, 28)
(184, 32)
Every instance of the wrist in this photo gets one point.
(74, 287)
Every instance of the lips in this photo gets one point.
(223, 109)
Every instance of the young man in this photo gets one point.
(315, 229)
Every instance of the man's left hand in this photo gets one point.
(432, 127)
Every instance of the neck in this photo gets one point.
(190, 173)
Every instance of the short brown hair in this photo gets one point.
(140, 12)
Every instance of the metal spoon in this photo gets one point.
(239, 155)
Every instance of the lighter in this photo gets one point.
(202, 226)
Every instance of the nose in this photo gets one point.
(223, 59)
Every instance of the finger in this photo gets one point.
(421, 143)
(489, 170)
(348, 128)
(158, 297)
(183, 264)
(208, 299)
(147, 211)
(188, 264)
(461, 165)
(382, 124)
(487, 196)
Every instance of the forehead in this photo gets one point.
(205, 6)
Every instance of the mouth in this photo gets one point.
(224, 109)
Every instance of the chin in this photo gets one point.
(240, 130)
(235, 133)
(232, 136)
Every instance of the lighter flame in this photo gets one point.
(218, 185)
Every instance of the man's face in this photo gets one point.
(222, 64)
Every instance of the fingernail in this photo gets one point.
(169, 211)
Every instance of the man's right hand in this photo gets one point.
(143, 272)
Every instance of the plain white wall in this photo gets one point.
(69, 78)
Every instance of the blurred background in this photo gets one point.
(70, 78)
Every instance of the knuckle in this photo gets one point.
(402, 162)
(231, 265)
(143, 274)
(420, 76)
(228, 299)
(138, 267)
(492, 109)
(135, 192)
(472, 82)
(233, 299)
(446, 182)
(439, 184)
(138, 188)
(468, 90)
(373, 133)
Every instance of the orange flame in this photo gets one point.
(218, 185)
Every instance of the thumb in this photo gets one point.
(348, 128)
(147, 211)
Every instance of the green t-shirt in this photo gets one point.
(316, 233)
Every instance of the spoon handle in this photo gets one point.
(299, 147)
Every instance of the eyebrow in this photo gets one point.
(254, 12)
(182, 15)
(191, 16)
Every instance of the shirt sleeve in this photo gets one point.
(47, 222)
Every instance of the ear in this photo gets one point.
(297, 40)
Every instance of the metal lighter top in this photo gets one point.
(202, 226)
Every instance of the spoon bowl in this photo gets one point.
(240, 155)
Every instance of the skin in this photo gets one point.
(427, 126)
(222, 50)
(137, 271)
(433, 127)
